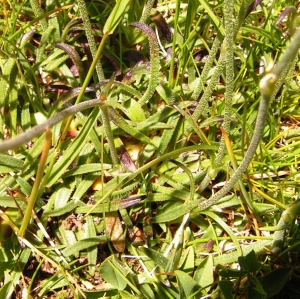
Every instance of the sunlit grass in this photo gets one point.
(125, 179)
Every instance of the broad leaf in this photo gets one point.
(204, 272)
(112, 273)
(274, 281)
(226, 288)
(186, 284)
(249, 263)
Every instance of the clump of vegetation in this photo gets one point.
(149, 149)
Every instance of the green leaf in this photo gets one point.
(51, 65)
(136, 112)
(83, 244)
(226, 288)
(126, 295)
(32, 153)
(63, 195)
(274, 281)
(92, 251)
(258, 246)
(227, 272)
(6, 71)
(84, 185)
(111, 272)
(115, 16)
(74, 149)
(10, 162)
(147, 291)
(174, 212)
(188, 261)
(166, 93)
(68, 207)
(156, 257)
(204, 272)
(85, 168)
(13, 277)
(255, 289)
(249, 263)
(186, 284)
(120, 122)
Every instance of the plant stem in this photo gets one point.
(38, 11)
(207, 67)
(258, 131)
(154, 61)
(90, 36)
(36, 186)
(267, 86)
(146, 11)
(109, 135)
(229, 60)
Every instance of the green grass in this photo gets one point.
(127, 168)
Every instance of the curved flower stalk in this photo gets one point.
(154, 61)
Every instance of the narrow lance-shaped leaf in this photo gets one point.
(120, 122)
(115, 17)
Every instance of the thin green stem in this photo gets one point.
(109, 135)
(154, 61)
(109, 26)
(202, 105)
(36, 185)
(258, 131)
(212, 55)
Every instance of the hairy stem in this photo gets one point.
(258, 132)
(229, 81)
(90, 36)
(268, 86)
(154, 61)
(38, 11)
(146, 11)
(207, 67)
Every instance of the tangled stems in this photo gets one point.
(267, 86)
(258, 131)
